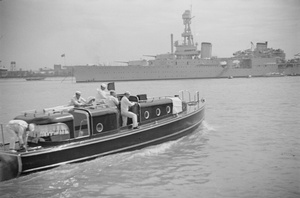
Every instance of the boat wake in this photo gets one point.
(154, 150)
(200, 133)
(206, 128)
(198, 136)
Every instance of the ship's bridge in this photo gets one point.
(186, 50)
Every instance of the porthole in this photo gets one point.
(158, 111)
(99, 127)
(168, 109)
(146, 114)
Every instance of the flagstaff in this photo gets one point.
(64, 56)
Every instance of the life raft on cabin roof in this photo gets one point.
(67, 134)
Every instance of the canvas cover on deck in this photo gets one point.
(177, 105)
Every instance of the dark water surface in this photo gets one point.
(248, 145)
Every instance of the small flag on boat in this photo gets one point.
(63, 55)
(111, 86)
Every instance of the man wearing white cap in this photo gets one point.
(112, 100)
(77, 100)
(125, 104)
(19, 128)
(101, 94)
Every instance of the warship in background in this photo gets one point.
(187, 62)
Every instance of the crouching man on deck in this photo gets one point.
(125, 104)
(19, 128)
(78, 101)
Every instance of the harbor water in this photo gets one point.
(248, 145)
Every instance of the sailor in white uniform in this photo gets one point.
(101, 94)
(78, 101)
(20, 129)
(112, 100)
(125, 104)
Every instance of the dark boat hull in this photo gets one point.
(123, 141)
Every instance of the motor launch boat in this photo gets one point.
(68, 134)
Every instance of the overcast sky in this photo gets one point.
(35, 33)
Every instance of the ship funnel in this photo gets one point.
(172, 47)
(206, 49)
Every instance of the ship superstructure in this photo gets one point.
(291, 67)
(261, 51)
(187, 62)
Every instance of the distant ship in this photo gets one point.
(35, 78)
(290, 67)
(187, 62)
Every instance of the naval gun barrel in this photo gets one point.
(150, 56)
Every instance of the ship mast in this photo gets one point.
(186, 50)
(187, 34)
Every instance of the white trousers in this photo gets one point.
(131, 115)
(21, 135)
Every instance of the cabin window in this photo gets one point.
(81, 124)
(168, 109)
(158, 111)
(146, 114)
(99, 127)
(83, 130)
(50, 132)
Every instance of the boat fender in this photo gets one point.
(202, 100)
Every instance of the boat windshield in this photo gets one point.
(49, 132)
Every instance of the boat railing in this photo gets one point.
(152, 99)
(49, 111)
(191, 101)
(184, 95)
(30, 112)
(98, 106)
(58, 109)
